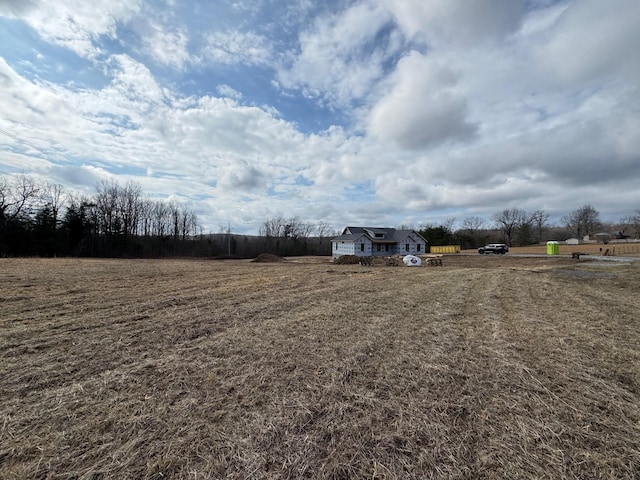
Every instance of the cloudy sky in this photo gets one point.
(374, 112)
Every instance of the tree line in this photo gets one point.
(118, 220)
(42, 219)
(517, 227)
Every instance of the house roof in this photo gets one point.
(349, 237)
(376, 234)
(400, 235)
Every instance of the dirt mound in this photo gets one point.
(268, 258)
(347, 260)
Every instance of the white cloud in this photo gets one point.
(591, 40)
(458, 105)
(242, 177)
(423, 106)
(456, 23)
(77, 24)
(189, 145)
(236, 47)
(16, 8)
(166, 46)
(337, 60)
(28, 106)
(252, 6)
(227, 91)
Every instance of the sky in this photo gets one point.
(372, 112)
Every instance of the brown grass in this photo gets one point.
(487, 367)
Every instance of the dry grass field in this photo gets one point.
(486, 367)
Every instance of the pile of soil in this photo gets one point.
(268, 258)
(347, 260)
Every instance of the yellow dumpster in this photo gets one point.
(445, 249)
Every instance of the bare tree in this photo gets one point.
(323, 230)
(189, 224)
(161, 219)
(146, 217)
(296, 228)
(55, 197)
(273, 228)
(129, 205)
(524, 231)
(285, 234)
(539, 219)
(107, 207)
(17, 195)
(635, 221)
(176, 214)
(472, 226)
(508, 220)
(449, 223)
(582, 221)
(631, 225)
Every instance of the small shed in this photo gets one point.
(603, 237)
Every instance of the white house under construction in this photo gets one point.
(370, 241)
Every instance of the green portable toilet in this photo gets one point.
(553, 248)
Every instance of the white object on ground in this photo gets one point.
(412, 261)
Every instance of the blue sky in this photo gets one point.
(376, 112)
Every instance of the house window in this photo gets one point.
(386, 247)
(418, 248)
(362, 247)
(406, 247)
(379, 247)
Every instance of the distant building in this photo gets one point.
(373, 241)
(601, 237)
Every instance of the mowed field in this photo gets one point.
(487, 367)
